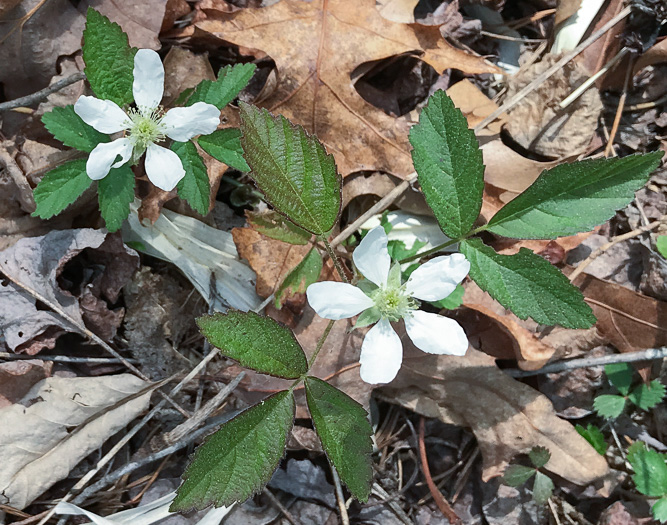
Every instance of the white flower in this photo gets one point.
(146, 125)
(384, 299)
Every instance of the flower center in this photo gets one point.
(145, 127)
(394, 303)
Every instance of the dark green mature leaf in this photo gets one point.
(449, 165)
(593, 435)
(239, 459)
(60, 187)
(66, 126)
(194, 187)
(650, 475)
(647, 396)
(543, 488)
(109, 59)
(292, 169)
(539, 456)
(231, 80)
(343, 427)
(256, 342)
(660, 510)
(609, 406)
(276, 226)
(301, 277)
(225, 145)
(528, 285)
(620, 375)
(517, 475)
(115, 193)
(573, 198)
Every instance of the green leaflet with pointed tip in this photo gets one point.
(60, 187)
(231, 80)
(539, 456)
(225, 146)
(647, 396)
(115, 193)
(256, 342)
(301, 277)
(109, 59)
(66, 126)
(293, 170)
(609, 406)
(239, 459)
(660, 510)
(543, 488)
(343, 427)
(620, 375)
(528, 285)
(517, 475)
(194, 187)
(573, 198)
(650, 475)
(449, 165)
(593, 435)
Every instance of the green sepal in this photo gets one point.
(60, 187)
(367, 317)
(68, 127)
(366, 286)
(115, 193)
(194, 187)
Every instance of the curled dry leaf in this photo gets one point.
(18, 377)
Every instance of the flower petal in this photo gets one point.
(372, 257)
(103, 157)
(437, 278)
(148, 84)
(333, 300)
(436, 334)
(163, 167)
(381, 354)
(104, 115)
(181, 124)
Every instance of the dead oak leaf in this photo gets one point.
(316, 46)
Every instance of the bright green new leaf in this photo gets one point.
(194, 187)
(276, 226)
(517, 475)
(239, 459)
(620, 375)
(256, 342)
(231, 80)
(66, 126)
(573, 198)
(661, 245)
(301, 277)
(650, 475)
(593, 435)
(292, 169)
(343, 427)
(647, 396)
(453, 300)
(225, 145)
(660, 510)
(60, 187)
(539, 456)
(449, 165)
(609, 406)
(115, 193)
(543, 488)
(109, 59)
(528, 285)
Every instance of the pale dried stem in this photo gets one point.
(38, 96)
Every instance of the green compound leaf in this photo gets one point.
(453, 300)
(194, 187)
(292, 169)
(115, 193)
(256, 342)
(231, 80)
(60, 187)
(528, 285)
(343, 427)
(449, 165)
(573, 198)
(301, 277)
(661, 245)
(109, 59)
(275, 226)
(660, 510)
(593, 435)
(620, 375)
(66, 126)
(650, 475)
(517, 475)
(225, 145)
(543, 488)
(239, 459)
(539, 456)
(647, 396)
(609, 406)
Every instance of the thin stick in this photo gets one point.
(64, 359)
(288, 515)
(335, 259)
(650, 354)
(320, 343)
(619, 111)
(340, 499)
(42, 94)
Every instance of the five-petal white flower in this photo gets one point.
(387, 299)
(146, 126)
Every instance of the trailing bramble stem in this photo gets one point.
(320, 343)
(335, 259)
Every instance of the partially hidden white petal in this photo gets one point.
(68, 508)
(148, 84)
(372, 257)
(381, 354)
(333, 300)
(163, 167)
(103, 157)
(181, 124)
(104, 115)
(437, 278)
(436, 334)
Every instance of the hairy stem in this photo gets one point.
(320, 343)
(335, 259)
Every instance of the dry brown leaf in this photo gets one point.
(327, 41)
(400, 11)
(565, 9)
(476, 106)
(655, 55)
(184, 69)
(174, 10)
(18, 377)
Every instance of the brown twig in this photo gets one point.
(619, 110)
(42, 94)
(288, 515)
